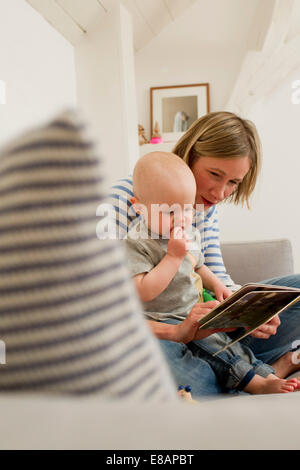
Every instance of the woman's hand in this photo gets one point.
(188, 330)
(267, 329)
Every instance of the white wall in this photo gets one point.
(199, 46)
(37, 66)
(275, 206)
(106, 90)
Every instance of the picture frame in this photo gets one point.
(175, 108)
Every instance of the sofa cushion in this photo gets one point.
(255, 261)
(70, 320)
(244, 422)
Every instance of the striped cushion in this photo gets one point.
(68, 315)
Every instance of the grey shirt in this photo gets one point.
(181, 294)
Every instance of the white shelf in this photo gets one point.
(164, 147)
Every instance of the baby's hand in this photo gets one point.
(222, 292)
(178, 245)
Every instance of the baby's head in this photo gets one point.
(164, 191)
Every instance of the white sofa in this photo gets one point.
(227, 422)
(243, 422)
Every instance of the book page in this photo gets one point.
(252, 310)
(220, 309)
(244, 332)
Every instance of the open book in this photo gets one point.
(248, 308)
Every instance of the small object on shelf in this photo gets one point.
(142, 138)
(156, 135)
(156, 140)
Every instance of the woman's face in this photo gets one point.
(218, 178)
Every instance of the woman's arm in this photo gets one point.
(119, 198)
(188, 329)
(163, 330)
(211, 244)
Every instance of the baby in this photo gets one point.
(167, 265)
(164, 194)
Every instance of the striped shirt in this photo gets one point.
(206, 222)
(69, 317)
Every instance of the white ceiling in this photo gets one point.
(294, 29)
(73, 18)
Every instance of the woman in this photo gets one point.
(223, 152)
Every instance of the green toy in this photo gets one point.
(206, 296)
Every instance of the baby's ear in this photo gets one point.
(137, 205)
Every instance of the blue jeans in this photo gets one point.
(269, 350)
(188, 368)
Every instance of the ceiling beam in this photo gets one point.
(271, 59)
(59, 18)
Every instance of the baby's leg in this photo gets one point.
(235, 366)
(271, 384)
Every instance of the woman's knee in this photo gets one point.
(188, 369)
(291, 280)
(172, 350)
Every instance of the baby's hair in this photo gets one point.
(157, 167)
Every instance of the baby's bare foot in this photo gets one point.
(297, 385)
(287, 364)
(271, 384)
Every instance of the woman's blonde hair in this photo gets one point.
(224, 135)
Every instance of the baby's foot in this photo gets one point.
(287, 364)
(297, 383)
(276, 385)
(271, 384)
